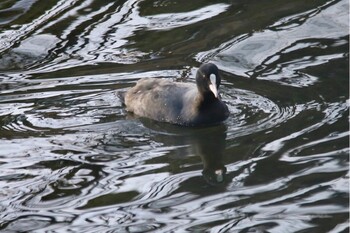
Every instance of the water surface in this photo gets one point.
(72, 158)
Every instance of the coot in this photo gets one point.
(180, 103)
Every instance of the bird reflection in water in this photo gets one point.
(208, 143)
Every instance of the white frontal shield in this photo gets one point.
(212, 85)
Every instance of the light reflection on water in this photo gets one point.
(282, 51)
(71, 158)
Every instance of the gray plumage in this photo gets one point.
(179, 103)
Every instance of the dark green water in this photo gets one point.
(72, 159)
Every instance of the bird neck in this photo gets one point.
(205, 99)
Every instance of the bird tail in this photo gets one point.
(121, 95)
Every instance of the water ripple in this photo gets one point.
(262, 54)
(251, 113)
(72, 158)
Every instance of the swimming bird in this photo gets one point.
(180, 103)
